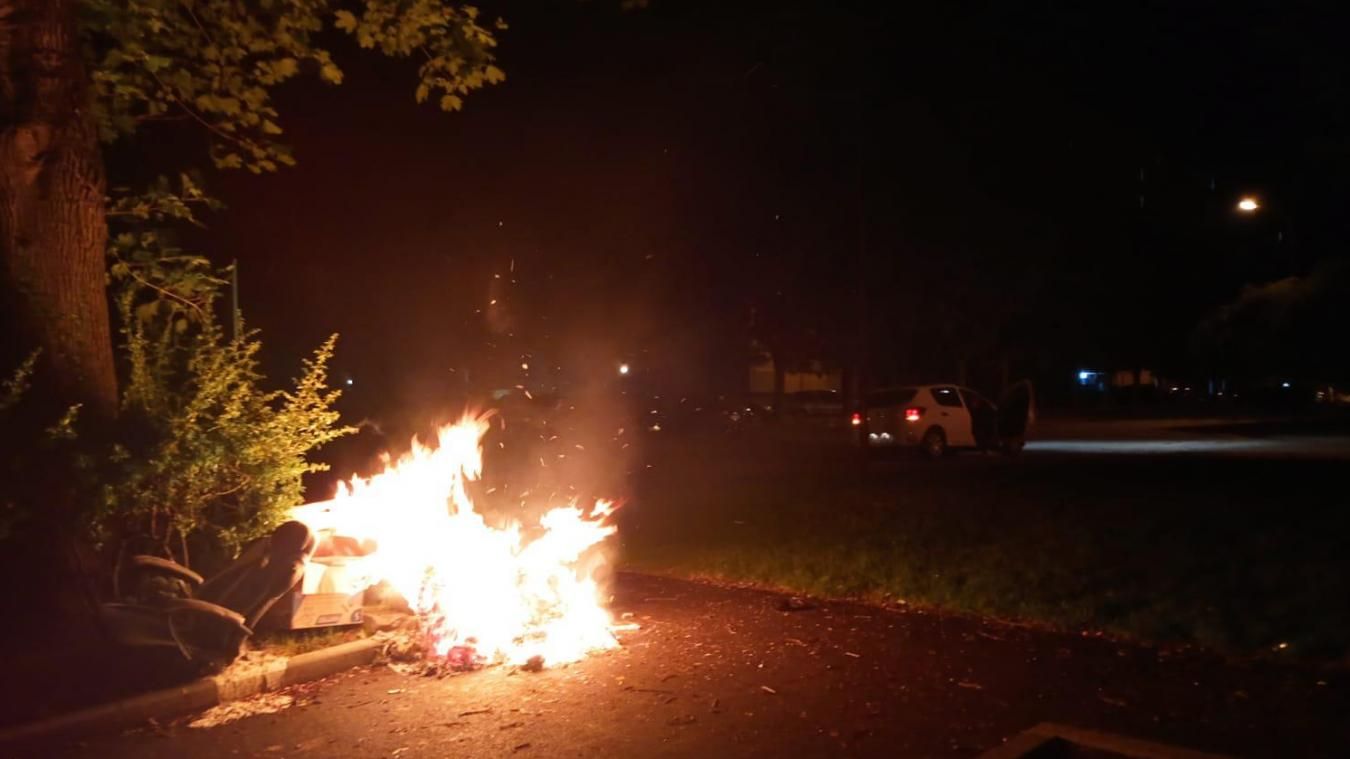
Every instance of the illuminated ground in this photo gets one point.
(724, 672)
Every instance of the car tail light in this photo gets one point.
(856, 420)
(913, 413)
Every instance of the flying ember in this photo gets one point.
(510, 593)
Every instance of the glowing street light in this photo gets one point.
(1248, 204)
(623, 368)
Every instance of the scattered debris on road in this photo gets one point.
(263, 703)
(794, 603)
(649, 690)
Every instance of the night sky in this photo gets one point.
(655, 186)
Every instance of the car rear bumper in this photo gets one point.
(888, 438)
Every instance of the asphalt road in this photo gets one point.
(1219, 438)
(725, 672)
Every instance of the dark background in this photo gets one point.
(896, 191)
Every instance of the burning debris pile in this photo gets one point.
(410, 646)
(517, 594)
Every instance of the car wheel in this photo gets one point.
(1013, 446)
(934, 443)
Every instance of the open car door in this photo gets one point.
(1016, 415)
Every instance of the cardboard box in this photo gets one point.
(301, 611)
(331, 594)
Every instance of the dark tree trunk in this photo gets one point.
(53, 231)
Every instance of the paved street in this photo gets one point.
(725, 672)
(1218, 438)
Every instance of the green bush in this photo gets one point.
(206, 455)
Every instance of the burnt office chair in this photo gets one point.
(207, 620)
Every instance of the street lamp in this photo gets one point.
(623, 368)
(1248, 204)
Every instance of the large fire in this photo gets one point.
(511, 593)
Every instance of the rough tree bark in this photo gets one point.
(53, 231)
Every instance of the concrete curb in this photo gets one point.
(197, 695)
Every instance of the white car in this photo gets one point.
(936, 419)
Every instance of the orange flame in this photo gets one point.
(510, 598)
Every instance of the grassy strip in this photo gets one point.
(1165, 556)
(296, 642)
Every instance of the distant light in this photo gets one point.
(1084, 376)
(526, 367)
(623, 368)
(1284, 384)
(1248, 204)
(350, 382)
(856, 420)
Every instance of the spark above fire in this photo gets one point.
(511, 592)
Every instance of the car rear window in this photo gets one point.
(946, 396)
(891, 397)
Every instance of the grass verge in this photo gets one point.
(296, 642)
(1241, 557)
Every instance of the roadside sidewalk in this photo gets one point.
(254, 673)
